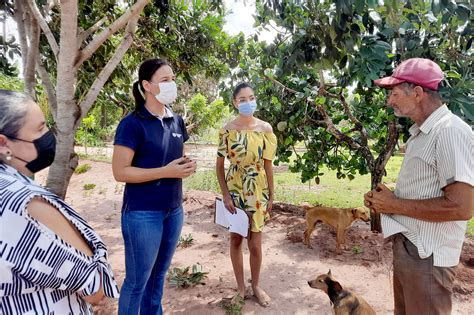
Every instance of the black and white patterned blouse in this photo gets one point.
(39, 272)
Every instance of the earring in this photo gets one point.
(9, 156)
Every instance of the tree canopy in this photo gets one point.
(87, 52)
(315, 79)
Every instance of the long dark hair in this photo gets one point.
(145, 72)
(239, 87)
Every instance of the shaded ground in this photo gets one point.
(287, 265)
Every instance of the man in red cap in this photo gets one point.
(426, 215)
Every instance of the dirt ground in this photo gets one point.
(287, 265)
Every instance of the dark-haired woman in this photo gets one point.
(149, 158)
(250, 144)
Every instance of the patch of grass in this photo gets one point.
(232, 306)
(183, 278)
(331, 192)
(95, 157)
(356, 249)
(89, 186)
(203, 180)
(81, 169)
(186, 241)
(470, 227)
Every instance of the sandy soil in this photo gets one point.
(287, 265)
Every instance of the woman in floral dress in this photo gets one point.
(250, 144)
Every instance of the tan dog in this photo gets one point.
(339, 218)
(344, 301)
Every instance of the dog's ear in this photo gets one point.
(329, 272)
(306, 206)
(354, 211)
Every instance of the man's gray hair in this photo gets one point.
(431, 93)
(13, 109)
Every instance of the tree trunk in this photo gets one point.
(375, 179)
(68, 110)
(64, 164)
(378, 172)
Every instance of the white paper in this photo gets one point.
(234, 222)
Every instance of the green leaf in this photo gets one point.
(372, 3)
(359, 6)
(463, 12)
(435, 7)
(411, 44)
(453, 74)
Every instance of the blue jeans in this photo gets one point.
(150, 239)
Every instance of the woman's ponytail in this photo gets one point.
(138, 95)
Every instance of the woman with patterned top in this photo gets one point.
(51, 261)
(250, 145)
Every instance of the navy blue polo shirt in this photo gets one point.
(156, 142)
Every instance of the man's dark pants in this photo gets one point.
(419, 287)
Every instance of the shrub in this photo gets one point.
(81, 169)
(186, 241)
(89, 186)
(182, 278)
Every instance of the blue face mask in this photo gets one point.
(247, 108)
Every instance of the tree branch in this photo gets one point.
(105, 73)
(33, 37)
(281, 85)
(387, 150)
(84, 34)
(330, 127)
(19, 17)
(48, 85)
(44, 27)
(347, 111)
(132, 12)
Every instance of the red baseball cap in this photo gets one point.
(419, 71)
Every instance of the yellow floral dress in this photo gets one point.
(246, 178)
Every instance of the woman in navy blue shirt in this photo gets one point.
(149, 158)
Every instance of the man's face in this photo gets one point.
(402, 100)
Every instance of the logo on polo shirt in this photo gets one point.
(177, 135)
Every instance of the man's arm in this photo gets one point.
(456, 204)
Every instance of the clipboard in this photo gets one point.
(236, 223)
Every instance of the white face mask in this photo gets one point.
(168, 92)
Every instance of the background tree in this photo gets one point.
(315, 79)
(79, 51)
(54, 27)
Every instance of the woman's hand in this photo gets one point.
(270, 205)
(181, 168)
(97, 298)
(229, 203)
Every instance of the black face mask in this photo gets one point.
(46, 148)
